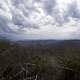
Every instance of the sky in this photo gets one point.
(40, 19)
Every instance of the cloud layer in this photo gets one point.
(55, 19)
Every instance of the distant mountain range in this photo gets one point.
(52, 43)
(44, 43)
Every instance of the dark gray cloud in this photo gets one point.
(49, 6)
(73, 11)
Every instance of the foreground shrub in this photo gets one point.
(70, 66)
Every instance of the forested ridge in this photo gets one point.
(61, 62)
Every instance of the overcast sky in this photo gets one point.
(40, 19)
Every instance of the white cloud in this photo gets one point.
(49, 18)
